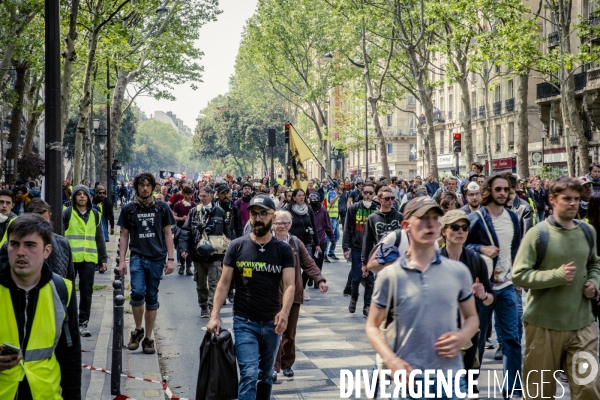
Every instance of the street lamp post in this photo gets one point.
(52, 126)
(108, 144)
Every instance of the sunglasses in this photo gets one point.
(392, 198)
(457, 227)
(502, 189)
(368, 192)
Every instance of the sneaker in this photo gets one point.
(306, 297)
(136, 336)
(83, 329)
(347, 291)
(489, 344)
(188, 272)
(288, 372)
(333, 257)
(274, 377)
(204, 313)
(325, 259)
(366, 311)
(148, 346)
(498, 354)
(181, 269)
(352, 306)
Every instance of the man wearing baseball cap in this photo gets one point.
(432, 290)
(586, 195)
(259, 263)
(473, 196)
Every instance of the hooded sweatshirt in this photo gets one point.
(354, 228)
(100, 242)
(378, 224)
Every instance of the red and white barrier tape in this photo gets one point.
(122, 396)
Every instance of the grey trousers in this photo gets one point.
(207, 275)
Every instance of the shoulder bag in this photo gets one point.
(388, 326)
(488, 260)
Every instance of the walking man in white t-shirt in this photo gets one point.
(495, 233)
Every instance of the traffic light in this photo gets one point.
(287, 134)
(456, 145)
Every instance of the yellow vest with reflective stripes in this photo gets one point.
(332, 208)
(39, 363)
(5, 236)
(82, 237)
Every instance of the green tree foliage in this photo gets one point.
(126, 142)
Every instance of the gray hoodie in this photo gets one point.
(67, 213)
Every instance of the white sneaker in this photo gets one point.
(306, 297)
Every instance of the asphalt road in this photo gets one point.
(329, 338)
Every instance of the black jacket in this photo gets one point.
(304, 227)
(378, 224)
(540, 199)
(191, 231)
(354, 226)
(233, 218)
(69, 358)
(107, 211)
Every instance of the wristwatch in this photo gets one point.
(170, 259)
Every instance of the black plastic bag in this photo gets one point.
(217, 375)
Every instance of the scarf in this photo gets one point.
(186, 203)
(23, 198)
(367, 204)
(144, 203)
(300, 210)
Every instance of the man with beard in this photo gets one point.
(259, 263)
(106, 209)
(243, 203)
(473, 196)
(232, 213)
(586, 194)
(209, 219)
(150, 242)
(495, 233)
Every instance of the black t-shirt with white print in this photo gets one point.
(257, 276)
(145, 226)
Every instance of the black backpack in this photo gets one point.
(542, 246)
(63, 293)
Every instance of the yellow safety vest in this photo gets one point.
(5, 236)
(39, 363)
(82, 237)
(332, 208)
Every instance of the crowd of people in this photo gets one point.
(439, 259)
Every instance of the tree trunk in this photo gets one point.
(116, 114)
(17, 115)
(522, 125)
(467, 137)
(33, 95)
(488, 124)
(69, 56)
(5, 64)
(84, 105)
(380, 138)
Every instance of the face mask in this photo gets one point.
(316, 206)
(367, 204)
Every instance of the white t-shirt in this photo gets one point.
(504, 231)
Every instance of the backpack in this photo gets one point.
(63, 293)
(542, 246)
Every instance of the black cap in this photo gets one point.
(263, 201)
(223, 188)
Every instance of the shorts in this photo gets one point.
(145, 278)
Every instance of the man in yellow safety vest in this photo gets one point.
(7, 201)
(83, 230)
(39, 341)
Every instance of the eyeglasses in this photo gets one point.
(282, 223)
(262, 214)
(499, 189)
(389, 198)
(368, 192)
(457, 227)
(99, 193)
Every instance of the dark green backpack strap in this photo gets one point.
(542, 243)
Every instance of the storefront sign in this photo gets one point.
(449, 161)
(504, 163)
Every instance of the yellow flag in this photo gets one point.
(300, 153)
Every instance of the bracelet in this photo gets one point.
(170, 259)
(486, 296)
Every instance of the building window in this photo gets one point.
(441, 142)
(511, 89)
(390, 149)
(511, 135)
(412, 154)
(497, 97)
(498, 138)
(389, 120)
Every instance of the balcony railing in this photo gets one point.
(554, 139)
(438, 117)
(474, 113)
(497, 108)
(545, 90)
(580, 81)
(553, 39)
(481, 111)
(509, 105)
(395, 131)
(594, 20)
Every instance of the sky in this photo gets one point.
(219, 41)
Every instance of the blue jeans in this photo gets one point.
(433, 390)
(505, 306)
(519, 296)
(335, 224)
(145, 278)
(256, 345)
(357, 275)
